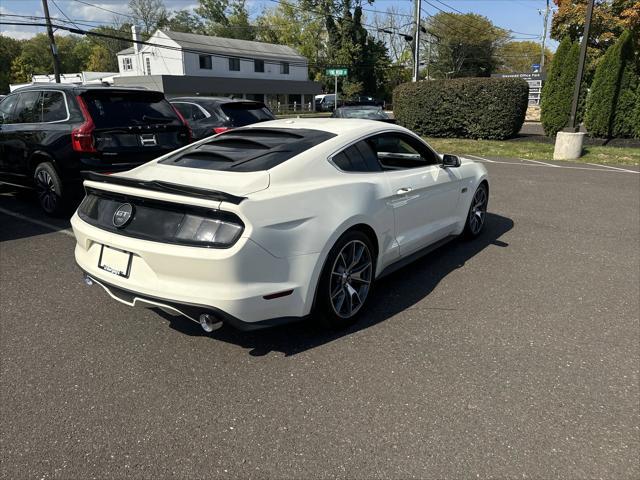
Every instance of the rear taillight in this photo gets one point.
(220, 129)
(184, 122)
(82, 136)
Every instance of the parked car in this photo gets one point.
(273, 222)
(325, 103)
(50, 133)
(366, 100)
(366, 112)
(210, 115)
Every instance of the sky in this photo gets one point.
(520, 16)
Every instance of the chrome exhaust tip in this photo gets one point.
(88, 280)
(209, 323)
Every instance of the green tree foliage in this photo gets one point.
(518, 57)
(9, 49)
(298, 28)
(350, 45)
(184, 21)
(468, 45)
(101, 60)
(490, 108)
(613, 97)
(557, 92)
(226, 18)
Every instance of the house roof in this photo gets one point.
(126, 51)
(232, 46)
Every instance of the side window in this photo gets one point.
(357, 158)
(189, 111)
(28, 109)
(7, 109)
(53, 107)
(397, 152)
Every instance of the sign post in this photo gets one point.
(336, 72)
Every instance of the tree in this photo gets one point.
(518, 57)
(300, 29)
(184, 21)
(467, 45)
(557, 93)
(226, 18)
(10, 48)
(613, 96)
(101, 60)
(150, 14)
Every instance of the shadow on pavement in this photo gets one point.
(391, 295)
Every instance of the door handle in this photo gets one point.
(403, 190)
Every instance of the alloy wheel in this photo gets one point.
(478, 210)
(46, 190)
(350, 279)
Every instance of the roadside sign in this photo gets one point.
(535, 68)
(336, 72)
(534, 79)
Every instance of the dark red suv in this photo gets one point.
(50, 133)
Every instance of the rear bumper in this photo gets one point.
(229, 283)
(189, 310)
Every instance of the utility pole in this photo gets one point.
(544, 34)
(583, 54)
(416, 39)
(52, 41)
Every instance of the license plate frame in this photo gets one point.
(112, 252)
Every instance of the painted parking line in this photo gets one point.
(539, 162)
(613, 168)
(565, 167)
(40, 223)
(480, 158)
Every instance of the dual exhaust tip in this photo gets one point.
(207, 321)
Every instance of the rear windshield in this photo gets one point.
(111, 109)
(242, 114)
(248, 149)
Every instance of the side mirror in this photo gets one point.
(450, 161)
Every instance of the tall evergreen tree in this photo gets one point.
(557, 92)
(613, 96)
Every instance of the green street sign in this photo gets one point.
(336, 72)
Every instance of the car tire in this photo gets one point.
(477, 212)
(346, 281)
(49, 189)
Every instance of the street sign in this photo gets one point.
(535, 68)
(534, 80)
(336, 72)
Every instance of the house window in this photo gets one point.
(127, 64)
(148, 63)
(258, 65)
(205, 62)
(234, 64)
(284, 68)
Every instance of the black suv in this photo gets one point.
(50, 133)
(210, 115)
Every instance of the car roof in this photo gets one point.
(76, 87)
(213, 100)
(339, 126)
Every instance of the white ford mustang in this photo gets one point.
(273, 222)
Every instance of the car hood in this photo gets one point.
(234, 183)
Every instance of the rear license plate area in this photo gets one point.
(115, 261)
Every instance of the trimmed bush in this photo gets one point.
(613, 97)
(491, 108)
(557, 93)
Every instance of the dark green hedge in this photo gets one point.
(613, 100)
(492, 108)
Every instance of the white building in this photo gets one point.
(187, 64)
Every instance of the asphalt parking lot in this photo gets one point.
(515, 355)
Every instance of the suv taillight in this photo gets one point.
(184, 122)
(82, 136)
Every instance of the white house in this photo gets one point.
(187, 64)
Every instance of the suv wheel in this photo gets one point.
(48, 188)
(346, 280)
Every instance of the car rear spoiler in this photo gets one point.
(160, 186)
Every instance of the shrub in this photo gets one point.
(491, 108)
(613, 97)
(557, 93)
